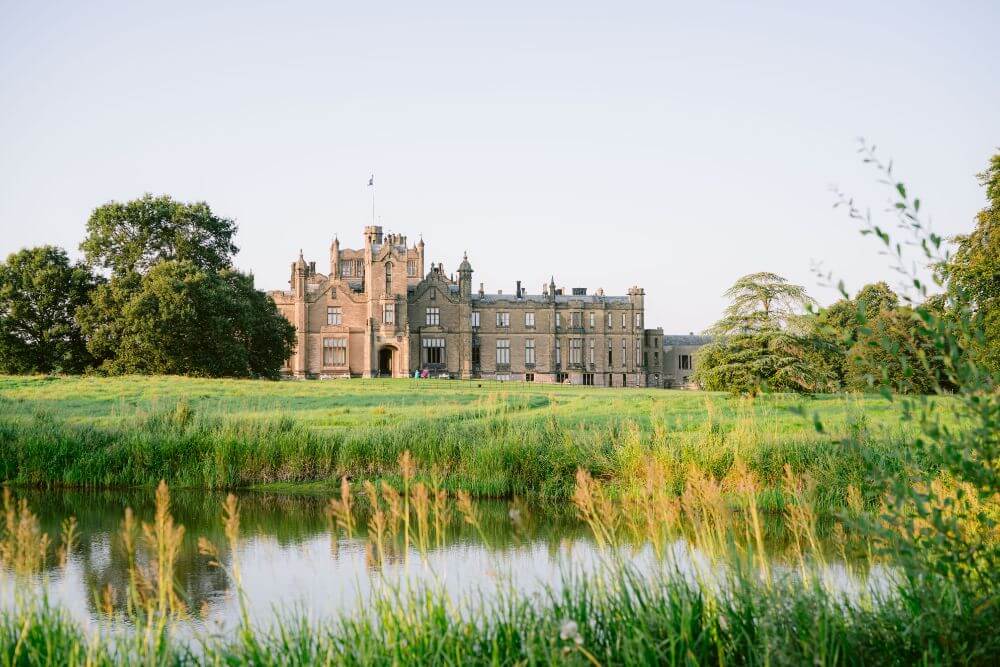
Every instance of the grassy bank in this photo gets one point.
(490, 439)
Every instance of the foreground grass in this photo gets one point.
(622, 618)
(492, 440)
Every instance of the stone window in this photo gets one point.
(609, 350)
(577, 319)
(558, 352)
(588, 379)
(345, 269)
(475, 352)
(593, 317)
(433, 317)
(638, 320)
(503, 352)
(475, 319)
(529, 319)
(609, 321)
(590, 351)
(503, 319)
(624, 321)
(638, 351)
(558, 319)
(684, 362)
(529, 377)
(433, 350)
(334, 351)
(411, 267)
(624, 351)
(575, 350)
(333, 315)
(389, 313)
(529, 351)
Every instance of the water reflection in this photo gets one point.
(291, 560)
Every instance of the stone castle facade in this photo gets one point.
(381, 311)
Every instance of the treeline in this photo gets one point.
(156, 294)
(773, 338)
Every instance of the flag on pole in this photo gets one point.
(371, 181)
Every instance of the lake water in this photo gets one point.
(291, 563)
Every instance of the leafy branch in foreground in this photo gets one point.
(941, 515)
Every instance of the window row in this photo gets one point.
(576, 319)
(334, 315)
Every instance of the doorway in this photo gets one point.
(385, 362)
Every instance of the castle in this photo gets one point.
(379, 312)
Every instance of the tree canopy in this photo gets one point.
(40, 292)
(758, 345)
(973, 271)
(180, 319)
(133, 236)
(761, 301)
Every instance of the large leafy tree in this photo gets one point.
(40, 291)
(133, 236)
(893, 351)
(180, 319)
(174, 304)
(835, 329)
(973, 271)
(761, 302)
(760, 344)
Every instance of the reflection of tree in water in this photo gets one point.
(288, 521)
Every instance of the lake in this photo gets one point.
(291, 560)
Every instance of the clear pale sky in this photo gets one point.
(674, 146)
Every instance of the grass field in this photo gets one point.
(491, 439)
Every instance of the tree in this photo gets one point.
(133, 236)
(973, 272)
(835, 329)
(759, 342)
(40, 292)
(180, 319)
(761, 301)
(893, 351)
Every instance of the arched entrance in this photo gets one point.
(385, 361)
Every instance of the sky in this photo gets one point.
(674, 146)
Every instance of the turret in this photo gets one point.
(465, 277)
(335, 258)
(373, 235)
(637, 297)
(552, 288)
(300, 271)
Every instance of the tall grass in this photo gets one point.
(491, 444)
